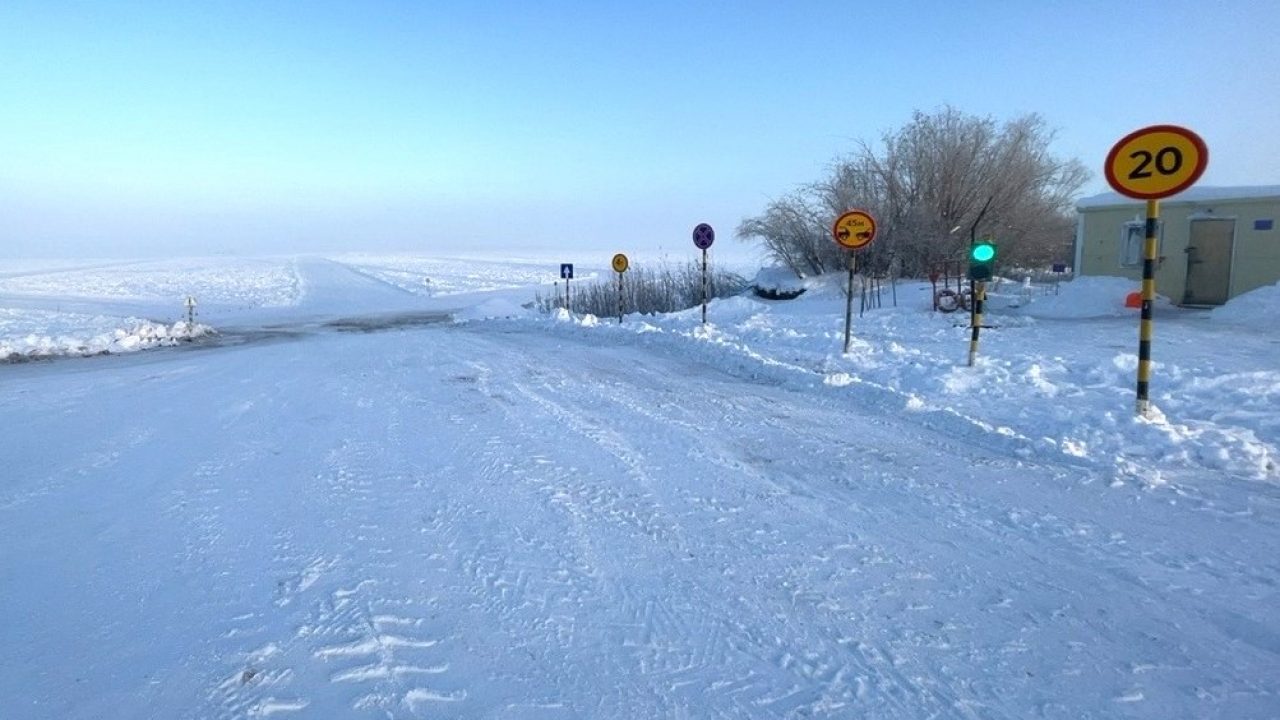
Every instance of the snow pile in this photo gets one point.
(778, 283)
(133, 336)
(1257, 307)
(1035, 389)
(1085, 297)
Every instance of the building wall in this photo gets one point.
(1256, 260)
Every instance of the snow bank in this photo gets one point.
(1257, 307)
(1085, 297)
(778, 283)
(133, 336)
(1036, 389)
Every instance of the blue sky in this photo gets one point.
(138, 128)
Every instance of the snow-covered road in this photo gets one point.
(489, 520)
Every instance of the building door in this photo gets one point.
(1209, 262)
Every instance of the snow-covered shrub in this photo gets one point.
(647, 290)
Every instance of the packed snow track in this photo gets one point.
(487, 520)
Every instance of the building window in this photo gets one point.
(1132, 237)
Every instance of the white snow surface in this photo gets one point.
(1088, 297)
(344, 505)
(1258, 308)
(778, 280)
(37, 334)
(1206, 193)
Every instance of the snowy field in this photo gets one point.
(380, 487)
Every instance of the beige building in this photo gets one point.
(1214, 242)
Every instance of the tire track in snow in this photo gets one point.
(659, 634)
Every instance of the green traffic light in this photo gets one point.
(983, 252)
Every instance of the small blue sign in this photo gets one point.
(1059, 267)
(566, 271)
(1263, 224)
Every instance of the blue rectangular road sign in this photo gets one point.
(566, 271)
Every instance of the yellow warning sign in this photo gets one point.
(854, 229)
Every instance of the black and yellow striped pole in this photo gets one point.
(1151, 164)
(1145, 329)
(620, 264)
(982, 258)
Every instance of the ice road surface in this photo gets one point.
(345, 505)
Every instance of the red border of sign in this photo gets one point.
(1176, 130)
(835, 225)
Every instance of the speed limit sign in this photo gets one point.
(1150, 164)
(1156, 162)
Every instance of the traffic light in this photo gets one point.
(982, 260)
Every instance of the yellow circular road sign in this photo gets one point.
(620, 263)
(854, 229)
(1156, 162)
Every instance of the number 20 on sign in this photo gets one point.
(1156, 162)
(1149, 164)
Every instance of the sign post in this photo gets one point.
(620, 265)
(1151, 164)
(191, 315)
(703, 236)
(566, 272)
(853, 231)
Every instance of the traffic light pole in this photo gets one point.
(977, 289)
(975, 317)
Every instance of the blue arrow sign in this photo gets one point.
(566, 271)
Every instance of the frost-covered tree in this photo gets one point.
(926, 183)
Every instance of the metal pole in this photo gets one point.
(1148, 301)
(979, 295)
(975, 287)
(848, 305)
(704, 286)
(568, 299)
(619, 298)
